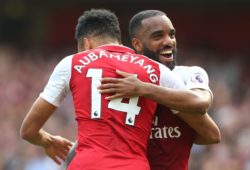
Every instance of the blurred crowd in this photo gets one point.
(23, 74)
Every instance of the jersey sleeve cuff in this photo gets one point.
(50, 100)
(190, 87)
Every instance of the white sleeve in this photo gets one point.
(57, 87)
(170, 79)
(194, 77)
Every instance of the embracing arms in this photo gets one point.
(207, 131)
(181, 100)
(195, 101)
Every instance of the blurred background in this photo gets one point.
(36, 34)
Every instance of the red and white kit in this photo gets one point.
(111, 134)
(171, 138)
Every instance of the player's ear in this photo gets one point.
(137, 44)
(80, 47)
(87, 44)
(84, 44)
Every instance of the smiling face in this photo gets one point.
(156, 39)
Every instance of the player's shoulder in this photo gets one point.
(64, 64)
(66, 60)
(189, 70)
(194, 74)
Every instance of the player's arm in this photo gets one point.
(196, 79)
(71, 154)
(187, 101)
(206, 129)
(55, 91)
(31, 130)
(182, 100)
(207, 132)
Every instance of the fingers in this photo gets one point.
(123, 74)
(115, 96)
(110, 88)
(109, 80)
(56, 160)
(62, 155)
(59, 149)
(58, 156)
(107, 91)
(65, 151)
(116, 80)
(68, 144)
(107, 86)
(66, 148)
(117, 87)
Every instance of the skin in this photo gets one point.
(181, 100)
(56, 147)
(156, 39)
(157, 35)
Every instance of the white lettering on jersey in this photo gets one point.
(131, 108)
(117, 56)
(132, 59)
(140, 62)
(153, 77)
(102, 53)
(164, 132)
(79, 67)
(149, 69)
(125, 58)
(93, 56)
(85, 60)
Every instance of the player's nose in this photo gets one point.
(168, 41)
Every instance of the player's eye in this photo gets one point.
(172, 35)
(157, 36)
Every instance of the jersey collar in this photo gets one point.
(116, 48)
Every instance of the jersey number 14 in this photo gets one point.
(131, 109)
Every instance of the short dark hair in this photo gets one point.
(135, 22)
(98, 22)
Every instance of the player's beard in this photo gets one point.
(174, 62)
(152, 55)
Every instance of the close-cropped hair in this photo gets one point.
(98, 22)
(136, 20)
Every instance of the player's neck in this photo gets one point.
(105, 42)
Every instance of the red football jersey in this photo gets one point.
(170, 141)
(171, 138)
(111, 134)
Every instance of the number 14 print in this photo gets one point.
(131, 109)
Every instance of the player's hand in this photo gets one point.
(58, 148)
(120, 87)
